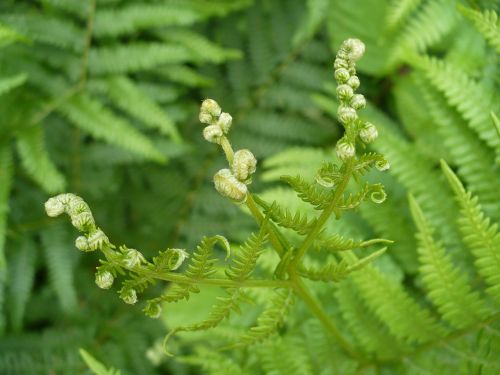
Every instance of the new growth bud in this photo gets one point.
(229, 186)
(133, 258)
(344, 92)
(353, 82)
(353, 48)
(153, 310)
(104, 279)
(54, 207)
(213, 133)
(342, 75)
(358, 101)
(347, 115)
(368, 132)
(225, 122)
(128, 295)
(244, 164)
(345, 150)
(211, 107)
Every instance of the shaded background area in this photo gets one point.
(100, 98)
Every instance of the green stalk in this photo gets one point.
(325, 215)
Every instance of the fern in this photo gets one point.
(486, 23)
(8, 84)
(469, 153)
(449, 290)
(392, 305)
(309, 193)
(135, 17)
(136, 57)
(59, 263)
(131, 99)
(91, 116)
(270, 320)
(461, 92)
(399, 11)
(22, 271)
(480, 235)
(432, 21)
(37, 163)
(284, 218)
(367, 329)
(95, 366)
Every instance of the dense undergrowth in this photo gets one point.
(100, 98)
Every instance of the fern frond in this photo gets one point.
(428, 26)
(447, 287)
(479, 233)
(176, 293)
(283, 217)
(316, 13)
(365, 162)
(6, 175)
(332, 271)
(59, 263)
(486, 23)
(21, 272)
(390, 302)
(367, 329)
(135, 17)
(37, 162)
(496, 122)
(399, 10)
(10, 83)
(201, 264)
(336, 271)
(90, 115)
(56, 31)
(213, 362)
(95, 366)
(220, 310)
(472, 101)
(135, 57)
(270, 320)
(202, 48)
(308, 192)
(337, 243)
(8, 35)
(293, 161)
(243, 263)
(470, 154)
(75, 7)
(133, 100)
(297, 361)
(414, 171)
(374, 191)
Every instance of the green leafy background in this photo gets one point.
(100, 98)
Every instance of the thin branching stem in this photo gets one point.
(323, 218)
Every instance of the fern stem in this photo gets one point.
(325, 215)
(228, 150)
(317, 310)
(88, 43)
(181, 279)
(274, 237)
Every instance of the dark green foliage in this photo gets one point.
(99, 98)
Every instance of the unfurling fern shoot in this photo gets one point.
(327, 195)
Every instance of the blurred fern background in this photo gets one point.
(100, 98)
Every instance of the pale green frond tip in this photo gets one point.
(496, 122)
(165, 343)
(95, 366)
(452, 178)
(225, 244)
